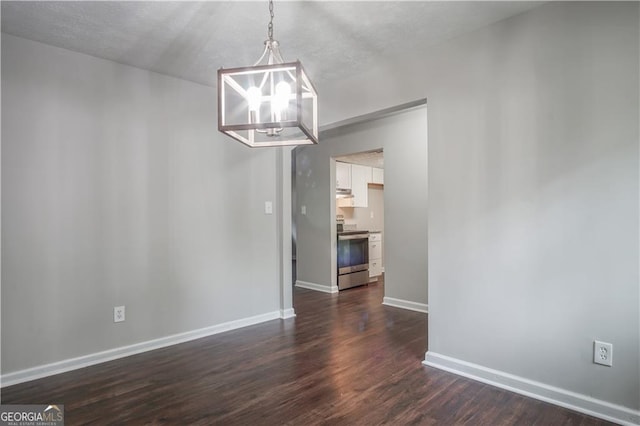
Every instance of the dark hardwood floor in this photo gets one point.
(344, 360)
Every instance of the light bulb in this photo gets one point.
(254, 98)
(281, 100)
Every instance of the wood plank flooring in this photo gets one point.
(344, 360)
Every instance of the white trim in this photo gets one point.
(287, 313)
(406, 304)
(562, 397)
(124, 351)
(316, 287)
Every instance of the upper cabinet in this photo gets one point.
(356, 178)
(343, 175)
(360, 178)
(377, 175)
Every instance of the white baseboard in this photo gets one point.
(287, 313)
(551, 394)
(124, 351)
(405, 304)
(316, 287)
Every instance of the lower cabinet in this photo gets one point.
(375, 255)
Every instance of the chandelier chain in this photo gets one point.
(270, 27)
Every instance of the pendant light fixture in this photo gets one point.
(272, 103)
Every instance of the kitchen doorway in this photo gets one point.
(359, 208)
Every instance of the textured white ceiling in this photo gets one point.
(368, 158)
(191, 40)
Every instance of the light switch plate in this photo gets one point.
(268, 207)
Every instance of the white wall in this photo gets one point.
(403, 138)
(117, 189)
(533, 194)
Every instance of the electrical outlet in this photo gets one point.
(603, 353)
(118, 314)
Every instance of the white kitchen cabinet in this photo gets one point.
(377, 175)
(375, 254)
(360, 178)
(343, 175)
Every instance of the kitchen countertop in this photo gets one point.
(358, 231)
(353, 232)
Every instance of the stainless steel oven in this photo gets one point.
(353, 259)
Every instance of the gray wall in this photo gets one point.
(533, 191)
(117, 189)
(403, 138)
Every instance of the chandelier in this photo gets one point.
(272, 103)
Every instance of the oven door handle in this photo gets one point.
(353, 237)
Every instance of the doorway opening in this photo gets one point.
(359, 211)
